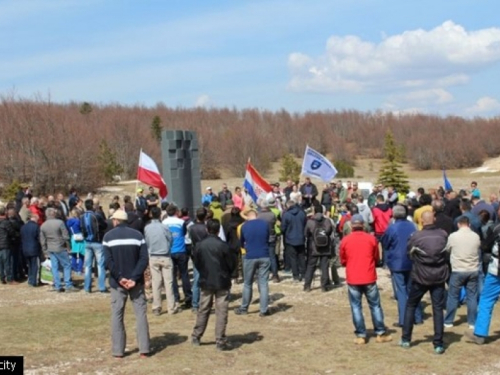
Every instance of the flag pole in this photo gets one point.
(137, 177)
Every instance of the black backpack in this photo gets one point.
(321, 238)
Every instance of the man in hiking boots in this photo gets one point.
(429, 273)
(359, 254)
(318, 233)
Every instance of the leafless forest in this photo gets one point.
(55, 146)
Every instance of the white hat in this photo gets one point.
(209, 188)
(120, 215)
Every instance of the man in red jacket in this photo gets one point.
(359, 254)
(382, 215)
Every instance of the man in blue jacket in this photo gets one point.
(394, 242)
(32, 250)
(293, 224)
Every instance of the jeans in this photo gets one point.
(61, 259)
(371, 292)
(297, 259)
(487, 300)
(457, 281)
(180, 261)
(417, 291)
(272, 258)
(5, 268)
(402, 286)
(94, 249)
(250, 268)
(196, 289)
(32, 270)
(77, 262)
(312, 262)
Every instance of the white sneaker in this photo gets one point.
(471, 326)
(448, 325)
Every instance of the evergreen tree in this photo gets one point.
(344, 169)
(156, 128)
(391, 173)
(108, 163)
(290, 169)
(85, 108)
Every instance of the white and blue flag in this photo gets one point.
(318, 166)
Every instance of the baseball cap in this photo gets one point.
(357, 219)
(120, 215)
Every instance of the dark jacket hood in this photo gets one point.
(383, 206)
(294, 210)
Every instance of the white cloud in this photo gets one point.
(416, 59)
(427, 98)
(485, 105)
(203, 101)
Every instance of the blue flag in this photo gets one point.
(447, 183)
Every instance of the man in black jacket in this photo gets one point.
(430, 271)
(292, 227)
(32, 250)
(318, 236)
(126, 256)
(442, 221)
(7, 235)
(214, 262)
(309, 193)
(197, 233)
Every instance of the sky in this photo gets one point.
(438, 57)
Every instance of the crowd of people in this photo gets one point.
(444, 242)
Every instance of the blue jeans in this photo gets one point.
(402, 286)
(5, 268)
(195, 303)
(94, 249)
(32, 270)
(487, 301)
(457, 281)
(272, 258)
(180, 262)
(61, 259)
(356, 293)
(260, 266)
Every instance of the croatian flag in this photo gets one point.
(148, 173)
(256, 186)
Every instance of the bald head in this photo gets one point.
(438, 205)
(428, 218)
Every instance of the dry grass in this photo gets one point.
(307, 333)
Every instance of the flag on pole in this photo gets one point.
(447, 183)
(256, 186)
(148, 173)
(316, 165)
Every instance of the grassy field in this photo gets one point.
(307, 333)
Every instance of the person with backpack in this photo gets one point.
(318, 233)
(93, 227)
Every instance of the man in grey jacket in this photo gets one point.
(159, 241)
(54, 238)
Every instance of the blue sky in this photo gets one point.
(401, 56)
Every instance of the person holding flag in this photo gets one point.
(148, 173)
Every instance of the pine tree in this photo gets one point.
(108, 163)
(391, 173)
(86, 108)
(290, 169)
(156, 128)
